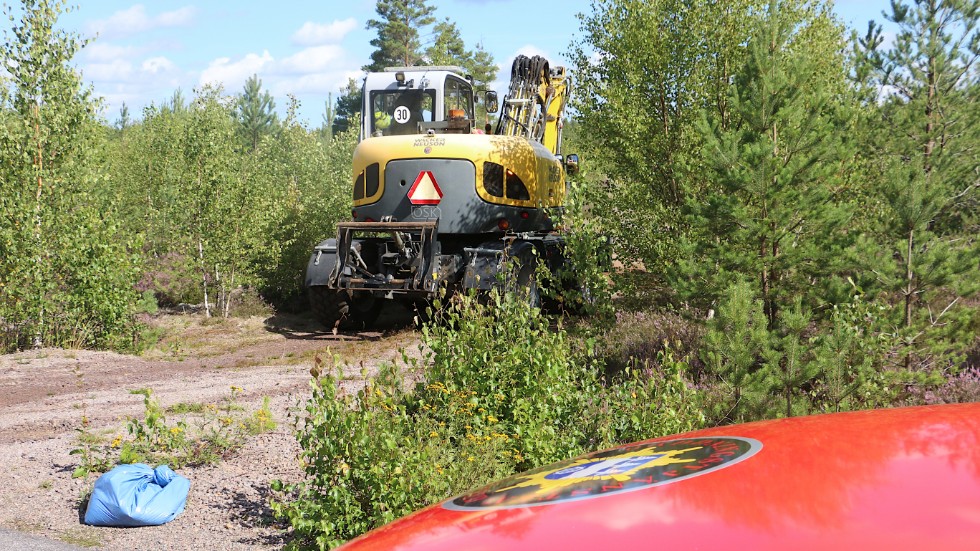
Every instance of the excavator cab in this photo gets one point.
(416, 100)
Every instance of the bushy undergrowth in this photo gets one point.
(502, 391)
(639, 338)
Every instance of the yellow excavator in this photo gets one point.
(441, 202)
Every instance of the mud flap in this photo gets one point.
(319, 270)
(485, 264)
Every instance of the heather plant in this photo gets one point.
(640, 338)
(960, 388)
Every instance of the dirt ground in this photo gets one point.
(46, 395)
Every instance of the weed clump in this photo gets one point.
(206, 434)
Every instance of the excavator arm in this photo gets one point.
(535, 100)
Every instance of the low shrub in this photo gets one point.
(960, 388)
(502, 391)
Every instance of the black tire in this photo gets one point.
(526, 282)
(581, 300)
(343, 310)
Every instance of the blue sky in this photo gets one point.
(144, 51)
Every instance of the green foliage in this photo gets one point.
(310, 182)
(398, 42)
(519, 371)
(773, 214)
(645, 71)
(582, 285)
(848, 357)
(736, 342)
(501, 391)
(95, 456)
(219, 219)
(256, 112)
(51, 199)
(367, 462)
(151, 436)
(348, 109)
(921, 151)
(204, 435)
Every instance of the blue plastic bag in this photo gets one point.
(137, 495)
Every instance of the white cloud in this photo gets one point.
(135, 20)
(102, 52)
(320, 84)
(176, 18)
(231, 74)
(313, 60)
(157, 64)
(113, 71)
(318, 34)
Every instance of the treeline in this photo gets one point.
(225, 196)
(201, 200)
(813, 196)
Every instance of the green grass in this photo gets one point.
(187, 407)
(82, 536)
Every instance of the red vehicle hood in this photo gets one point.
(904, 478)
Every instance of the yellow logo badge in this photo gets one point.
(623, 469)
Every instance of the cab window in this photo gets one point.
(396, 112)
(459, 97)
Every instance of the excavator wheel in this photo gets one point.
(343, 310)
(525, 280)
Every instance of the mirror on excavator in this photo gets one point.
(491, 103)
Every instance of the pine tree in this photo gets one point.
(177, 104)
(482, 67)
(398, 26)
(256, 112)
(124, 121)
(924, 147)
(326, 125)
(777, 159)
(348, 107)
(447, 47)
(644, 72)
(774, 228)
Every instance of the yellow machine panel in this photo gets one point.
(530, 175)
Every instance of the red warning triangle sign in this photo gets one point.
(425, 190)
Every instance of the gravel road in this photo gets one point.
(45, 395)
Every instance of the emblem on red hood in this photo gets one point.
(627, 468)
